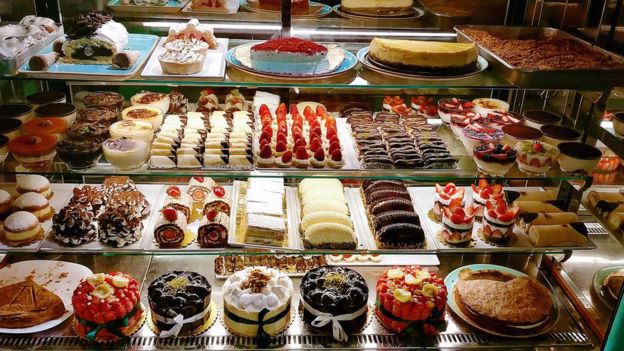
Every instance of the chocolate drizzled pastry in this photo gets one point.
(89, 197)
(120, 226)
(85, 25)
(73, 225)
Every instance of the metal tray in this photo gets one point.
(550, 79)
(10, 65)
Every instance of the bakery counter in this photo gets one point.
(567, 334)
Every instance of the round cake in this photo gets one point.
(287, 56)
(179, 293)
(256, 302)
(338, 291)
(107, 307)
(411, 300)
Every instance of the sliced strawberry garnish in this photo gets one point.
(287, 156)
(315, 144)
(431, 110)
(538, 147)
(281, 109)
(457, 219)
(307, 112)
(450, 188)
(497, 189)
(219, 191)
(265, 151)
(264, 109)
(302, 153)
(319, 154)
(294, 110)
(174, 191)
(460, 212)
(170, 214)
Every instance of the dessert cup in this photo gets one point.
(34, 151)
(499, 119)
(23, 112)
(555, 135)
(461, 119)
(126, 154)
(536, 157)
(104, 99)
(64, 110)
(46, 125)
(132, 129)
(10, 127)
(517, 133)
(446, 106)
(577, 157)
(79, 153)
(143, 113)
(476, 135)
(494, 159)
(483, 106)
(46, 97)
(539, 118)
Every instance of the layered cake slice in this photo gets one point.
(425, 56)
(376, 7)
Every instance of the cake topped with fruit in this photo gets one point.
(494, 159)
(499, 119)
(424, 105)
(457, 223)
(446, 106)
(298, 7)
(483, 193)
(536, 156)
(443, 197)
(460, 119)
(193, 30)
(411, 300)
(498, 220)
(102, 299)
(287, 55)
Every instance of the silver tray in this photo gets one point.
(10, 65)
(553, 79)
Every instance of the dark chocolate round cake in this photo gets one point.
(337, 291)
(179, 292)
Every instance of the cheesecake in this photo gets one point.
(424, 56)
(376, 7)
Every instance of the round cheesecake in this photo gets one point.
(376, 7)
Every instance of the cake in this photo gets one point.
(90, 198)
(34, 150)
(376, 7)
(145, 112)
(132, 199)
(297, 7)
(179, 200)
(498, 221)
(230, 6)
(179, 293)
(199, 188)
(339, 292)
(170, 228)
(483, 193)
(425, 56)
(107, 307)
(263, 221)
(21, 228)
(159, 101)
(74, 225)
(324, 208)
(107, 100)
(287, 55)
(94, 39)
(411, 301)
(393, 224)
(120, 226)
(257, 303)
(213, 229)
(494, 158)
(34, 203)
(457, 223)
(5, 204)
(27, 304)
(535, 156)
(218, 200)
(193, 30)
(518, 305)
(443, 197)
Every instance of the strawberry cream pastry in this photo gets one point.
(460, 119)
(447, 106)
(444, 196)
(193, 30)
(498, 221)
(484, 193)
(396, 104)
(107, 307)
(457, 223)
(424, 106)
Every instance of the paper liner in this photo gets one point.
(470, 243)
(310, 329)
(214, 312)
(293, 315)
(137, 327)
(482, 237)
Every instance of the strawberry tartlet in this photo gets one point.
(443, 197)
(498, 221)
(411, 301)
(484, 193)
(457, 223)
(107, 307)
(447, 106)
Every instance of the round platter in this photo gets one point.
(338, 61)
(414, 14)
(317, 10)
(605, 296)
(59, 277)
(363, 57)
(453, 277)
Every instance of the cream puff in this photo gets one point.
(34, 183)
(21, 228)
(34, 203)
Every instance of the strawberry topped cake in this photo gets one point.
(447, 106)
(484, 193)
(443, 197)
(411, 301)
(498, 221)
(287, 56)
(107, 307)
(457, 223)
(460, 119)
(424, 105)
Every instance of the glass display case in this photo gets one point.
(248, 163)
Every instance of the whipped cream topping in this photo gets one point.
(20, 220)
(184, 56)
(186, 44)
(113, 32)
(271, 291)
(33, 182)
(193, 24)
(30, 199)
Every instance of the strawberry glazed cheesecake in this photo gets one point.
(287, 56)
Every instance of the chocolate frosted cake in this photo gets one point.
(73, 225)
(120, 226)
(134, 200)
(179, 293)
(94, 39)
(339, 291)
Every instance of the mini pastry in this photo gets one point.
(192, 45)
(34, 150)
(170, 228)
(484, 193)
(301, 158)
(89, 131)
(535, 156)
(285, 161)
(74, 225)
(79, 154)
(97, 115)
(120, 226)
(132, 129)
(475, 134)
(335, 161)
(132, 199)
(193, 30)
(199, 188)
(108, 100)
(318, 160)
(34, 183)
(532, 206)
(498, 221)
(125, 59)
(218, 200)
(160, 101)
(447, 106)
(457, 223)
(265, 158)
(5, 204)
(179, 200)
(527, 220)
(21, 228)
(41, 62)
(34, 203)
(574, 234)
(213, 229)
(91, 198)
(443, 197)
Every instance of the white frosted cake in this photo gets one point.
(376, 7)
(287, 56)
(94, 39)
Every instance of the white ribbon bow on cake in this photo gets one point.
(178, 322)
(323, 318)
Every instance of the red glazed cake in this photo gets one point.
(287, 56)
(299, 7)
(107, 307)
(411, 300)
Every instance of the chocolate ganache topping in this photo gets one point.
(85, 25)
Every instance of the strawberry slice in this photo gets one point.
(457, 219)
(281, 109)
(199, 178)
(300, 143)
(174, 191)
(450, 188)
(320, 110)
(294, 110)
(212, 214)
(307, 112)
(219, 191)
(264, 109)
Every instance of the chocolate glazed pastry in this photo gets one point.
(338, 291)
(179, 292)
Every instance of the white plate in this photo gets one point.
(214, 64)
(61, 193)
(152, 193)
(390, 260)
(59, 277)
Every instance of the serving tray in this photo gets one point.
(543, 79)
(172, 6)
(9, 66)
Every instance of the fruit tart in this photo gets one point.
(498, 221)
(443, 197)
(446, 106)
(535, 156)
(457, 223)
(107, 307)
(411, 301)
(494, 159)
(484, 193)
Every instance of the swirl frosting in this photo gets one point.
(257, 288)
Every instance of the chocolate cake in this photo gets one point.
(120, 226)
(73, 225)
(94, 39)
(179, 293)
(338, 291)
